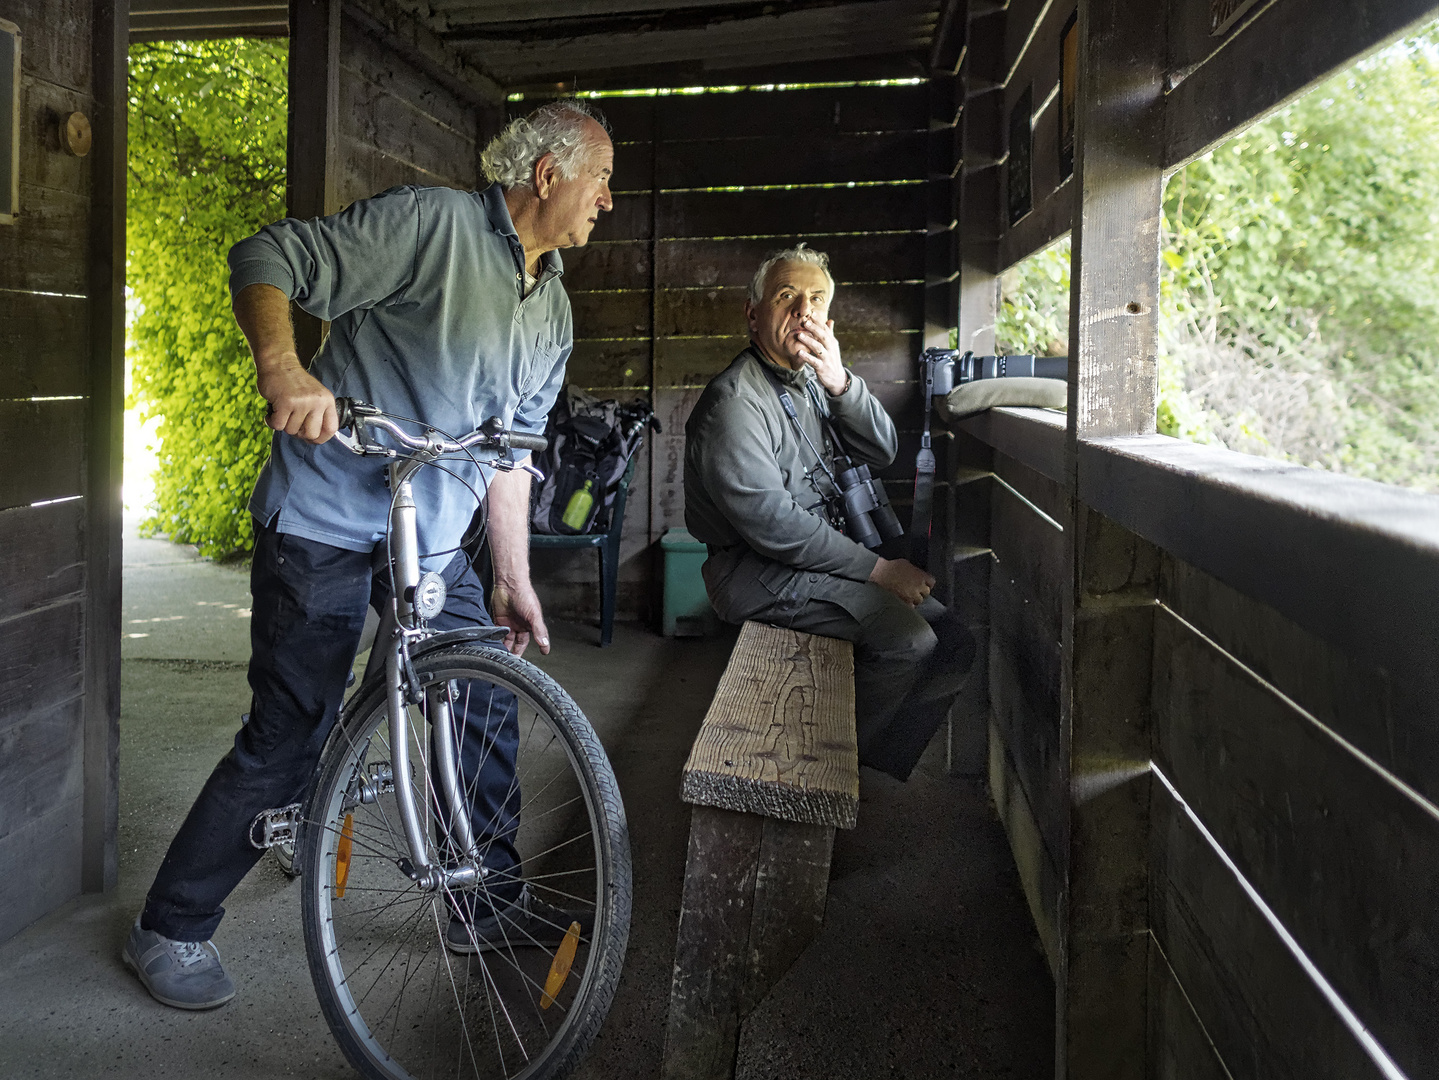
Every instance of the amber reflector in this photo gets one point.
(560, 965)
(342, 855)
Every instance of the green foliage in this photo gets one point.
(1299, 277)
(1034, 304)
(207, 168)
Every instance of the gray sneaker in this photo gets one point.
(183, 974)
(526, 923)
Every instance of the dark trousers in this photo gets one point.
(307, 614)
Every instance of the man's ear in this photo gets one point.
(547, 171)
(751, 315)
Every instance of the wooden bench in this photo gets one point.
(773, 772)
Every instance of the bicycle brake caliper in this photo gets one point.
(271, 828)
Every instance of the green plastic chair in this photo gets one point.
(607, 544)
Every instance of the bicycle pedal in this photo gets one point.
(276, 827)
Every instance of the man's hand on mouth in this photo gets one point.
(819, 349)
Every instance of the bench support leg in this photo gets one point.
(753, 901)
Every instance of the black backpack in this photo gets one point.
(591, 443)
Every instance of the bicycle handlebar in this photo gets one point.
(490, 435)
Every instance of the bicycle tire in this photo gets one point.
(562, 772)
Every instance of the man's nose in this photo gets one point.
(605, 202)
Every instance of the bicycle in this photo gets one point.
(405, 835)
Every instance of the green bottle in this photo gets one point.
(577, 510)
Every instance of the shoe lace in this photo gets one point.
(188, 953)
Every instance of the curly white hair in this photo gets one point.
(557, 127)
(799, 253)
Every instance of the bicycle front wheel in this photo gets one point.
(509, 974)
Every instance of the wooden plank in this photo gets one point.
(694, 361)
(821, 111)
(1039, 874)
(1290, 46)
(56, 37)
(609, 362)
(610, 264)
(364, 56)
(634, 167)
(720, 311)
(1030, 548)
(778, 739)
(784, 213)
(43, 340)
(1350, 697)
(853, 258)
(631, 219)
(1052, 218)
(1347, 860)
(45, 251)
(58, 473)
(42, 763)
(40, 867)
(400, 128)
(612, 313)
(1024, 682)
(1179, 1047)
(791, 882)
(1350, 561)
(41, 556)
(702, 1028)
(1032, 437)
(46, 164)
(44, 659)
(1265, 1016)
(792, 159)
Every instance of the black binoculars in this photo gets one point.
(867, 515)
(949, 368)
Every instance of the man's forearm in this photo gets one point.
(263, 313)
(509, 527)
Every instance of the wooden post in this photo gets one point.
(979, 210)
(105, 448)
(1108, 607)
(312, 176)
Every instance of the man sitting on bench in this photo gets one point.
(760, 492)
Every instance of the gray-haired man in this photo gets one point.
(445, 306)
(754, 490)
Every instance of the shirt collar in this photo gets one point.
(497, 213)
(796, 379)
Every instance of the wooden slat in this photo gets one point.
(631, 219)
(43, 340)
(1024, 674)
(720, 311)
(778, 739)
(40, 867)
(610, 362)
(1179, 1047)
(614, 264)
(45, 251)
(387, 71)
(1030, 550)
(793, 159)
(1033, 437)
(694, 361)
(634, 167)
(610, 314)
(667, 491)
(1038, 871)
(784, 213)
(1052, 217)
(42, 556)
(42, 763)
(399, 127)
(854, 258)
(1346, 859)
(820, 111)
(43, 659)
(1267, 1019)
(54, 472)
(56, 41)
(1350, 561)
(1287, 48)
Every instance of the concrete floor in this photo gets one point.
(927, 966)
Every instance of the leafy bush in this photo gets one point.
(207, 167)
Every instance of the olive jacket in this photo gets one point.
(753, 486)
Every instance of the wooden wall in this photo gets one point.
(1211, 688)
(705, 186)
(60, 369)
